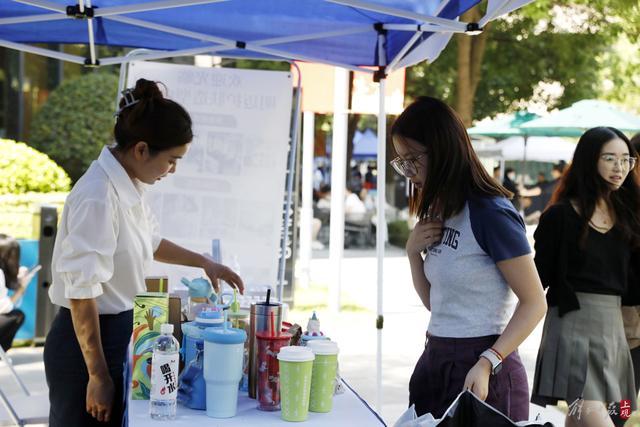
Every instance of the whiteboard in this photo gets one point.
(231, 184)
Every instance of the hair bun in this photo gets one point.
(147, 89)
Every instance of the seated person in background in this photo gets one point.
(354, 208)
(11, 277)
(324, 197)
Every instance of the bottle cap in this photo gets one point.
(166, 328)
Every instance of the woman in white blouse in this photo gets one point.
(106, 240)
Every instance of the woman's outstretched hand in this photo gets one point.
(217, 271)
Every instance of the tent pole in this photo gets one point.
(92, 44)
(338, 181)
(306, 213)
(381, 223)
(43, 52)
(401, 13)
(290, 178)
(381, 228)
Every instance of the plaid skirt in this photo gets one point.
(584, 355)
(439, 377)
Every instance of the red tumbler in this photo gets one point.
(269, 370)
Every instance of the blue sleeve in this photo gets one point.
(498, 228)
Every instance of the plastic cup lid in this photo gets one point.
(238, 314)
(192, 330)
(225, 336)
(206, 318)
(323, 347)
(267, 336)
(295, 354)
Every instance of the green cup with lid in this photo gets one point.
(296, 364)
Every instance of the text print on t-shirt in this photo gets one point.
(450, 237)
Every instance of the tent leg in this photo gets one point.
(306, 213)
(338, 182)
(290, 177)
(381, 228)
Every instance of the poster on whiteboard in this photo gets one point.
(230, 185)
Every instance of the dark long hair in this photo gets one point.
(583, 185)
(453, 169)
(635, 143)
(154, 119)
(10, 260)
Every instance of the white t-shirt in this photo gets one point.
(6, 305)
(105, 241)
(469, 296)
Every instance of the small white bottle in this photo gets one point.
(164, 375)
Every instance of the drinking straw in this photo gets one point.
(272, 332)
(268, 295)
(235, 305)
(161, 285)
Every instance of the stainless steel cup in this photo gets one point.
(259, 321)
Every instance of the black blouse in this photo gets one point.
(604, 266)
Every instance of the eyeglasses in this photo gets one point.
(626, 162)
(406, 167)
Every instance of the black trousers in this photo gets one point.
(9, 324)
(67, 374)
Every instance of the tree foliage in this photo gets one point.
(566, 42)
(76, 121)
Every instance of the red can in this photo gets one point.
(269, 369)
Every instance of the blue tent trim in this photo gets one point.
(239, 28)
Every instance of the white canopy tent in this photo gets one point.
(538, 149)
(350, 34)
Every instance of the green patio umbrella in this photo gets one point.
(582, 115)
(503, 127)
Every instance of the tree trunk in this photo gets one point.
(470, 54)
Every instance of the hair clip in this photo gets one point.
(129, 100)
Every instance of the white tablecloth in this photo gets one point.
(348, 410)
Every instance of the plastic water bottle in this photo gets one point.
(164, 375)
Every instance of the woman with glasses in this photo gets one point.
(584, 245)
(471, 266)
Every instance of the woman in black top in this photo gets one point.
(586, 244)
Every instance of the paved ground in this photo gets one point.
(402, 338)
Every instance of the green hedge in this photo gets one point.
(23, 169)
(19, 213)
(398, 233)
(76, 121)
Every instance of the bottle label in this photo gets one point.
(164, 376)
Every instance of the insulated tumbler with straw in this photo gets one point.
(269, 344)
(259, 322)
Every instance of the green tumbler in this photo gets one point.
(324, 375)
(296, 364)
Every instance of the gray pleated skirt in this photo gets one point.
(584, 355)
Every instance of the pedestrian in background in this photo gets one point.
(584, 247)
